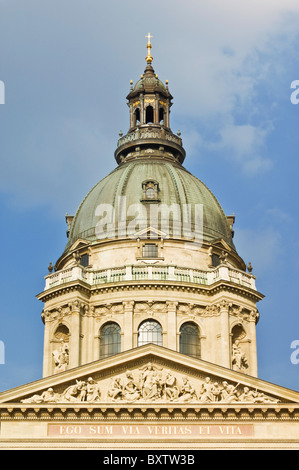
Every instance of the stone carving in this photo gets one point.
(81, 391)
(48, 396)
(61, 358)
(148, 134)
(152, 384)
(239, 360)
(187, 391)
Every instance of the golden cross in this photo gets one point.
(149, 58)
(149, 38)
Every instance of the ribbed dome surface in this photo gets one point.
(176, 186)
(150, 83)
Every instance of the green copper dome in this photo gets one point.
(170, 185)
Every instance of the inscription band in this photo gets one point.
(149, 430)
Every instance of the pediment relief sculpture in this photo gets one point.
(153, 384)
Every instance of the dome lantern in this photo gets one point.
(149, 102)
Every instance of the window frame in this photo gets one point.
(150, 332)
(189, 343)
(110, 344)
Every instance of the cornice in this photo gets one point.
(148, 412)
(218, 286)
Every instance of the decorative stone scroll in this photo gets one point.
(152, 384)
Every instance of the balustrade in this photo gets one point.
(150, 273)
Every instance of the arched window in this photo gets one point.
(150, 331)
(136, 117)
(149, 116)
(238, 333)
(62, 333)
(190, 339)
(161, 115)
(239, 349)
(110, 340)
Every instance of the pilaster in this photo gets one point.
(128, 322)
(47, 342)
(225, 334)
(74, 359)
(253, 349)
(171, 325)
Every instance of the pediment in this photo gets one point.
(150, 233)
(150, 374)
(79, 243)
(220, 243)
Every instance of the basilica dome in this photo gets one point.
(150, 181)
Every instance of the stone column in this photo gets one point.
(47, 369)
(74, 345)
(166, 115)
(142, 110)
(128, 325)
(131, 116)
(156, 110)
(253, 351)
(89, 320)
(171, 325)
(225, 336)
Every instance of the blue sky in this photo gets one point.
(67, 66)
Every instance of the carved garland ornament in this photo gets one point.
(152, 384)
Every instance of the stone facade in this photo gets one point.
(149, 398)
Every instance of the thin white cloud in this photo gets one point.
(244, 144)
(262, 247)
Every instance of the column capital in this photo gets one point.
(171, 304)
(224, 305)
(75, 306)
(128, 304)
